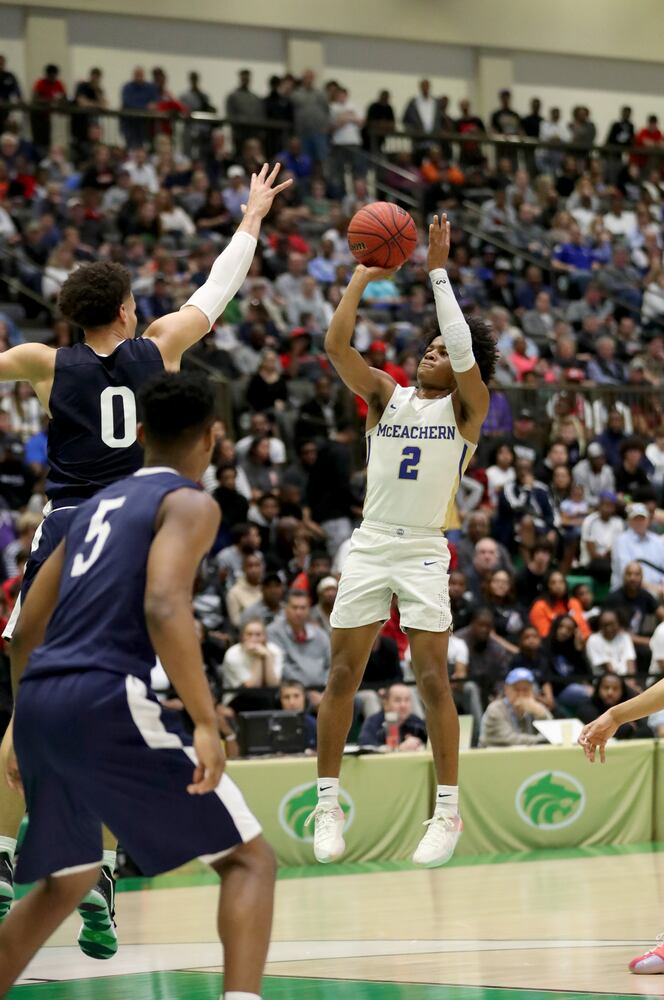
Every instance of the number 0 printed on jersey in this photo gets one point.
(410, 460)
(118, 398)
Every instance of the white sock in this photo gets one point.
(328, 789)
(108, 860)
(447, 799)
(8, 846)
(235, 995)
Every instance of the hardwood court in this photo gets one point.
(568, 924)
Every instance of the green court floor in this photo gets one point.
(204, 986)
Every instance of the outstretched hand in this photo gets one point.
(369, 274)
(595, 736)
(262, 191)
(439, 243)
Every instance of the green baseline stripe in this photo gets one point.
(206, 986)
(197, 877)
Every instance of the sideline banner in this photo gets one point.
(533, 798)
(386, 799)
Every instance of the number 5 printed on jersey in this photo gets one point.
(99, 531)
(410, 460)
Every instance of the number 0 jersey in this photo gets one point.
(415, 459)
(92, 431)
(99, 620)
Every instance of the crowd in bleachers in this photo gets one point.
(557, 543)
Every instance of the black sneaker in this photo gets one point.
(97, 937)
(6, 885)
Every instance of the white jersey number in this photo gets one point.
(128, 402)
(99, 531)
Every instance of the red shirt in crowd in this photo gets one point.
(48, 90)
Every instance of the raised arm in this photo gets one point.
(473, 393)
(595, 735)
(176, 332)
(374, 386)
(187, 527)
(33, 363)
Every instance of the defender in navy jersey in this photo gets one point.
(419, 442)
(89, 392)
(92, 743)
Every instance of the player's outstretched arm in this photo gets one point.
(473, 393)
(34, 363)
(36, 612)
(374, 386)
(186, 529)
(594, 736)
(176, 332)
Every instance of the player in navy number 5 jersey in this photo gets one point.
(89, 393)
(92, 744)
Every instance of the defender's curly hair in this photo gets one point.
(92, 294)
(484, 346)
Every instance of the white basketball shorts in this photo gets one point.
(386, 559)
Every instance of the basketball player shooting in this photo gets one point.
(419, 442)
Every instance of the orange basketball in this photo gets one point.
(382, 235)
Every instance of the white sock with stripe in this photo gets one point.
(108, 860)
(328, 790)
(8, 846)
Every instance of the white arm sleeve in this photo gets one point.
(453, 327)
(226, 276)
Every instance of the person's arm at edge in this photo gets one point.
(175, 333)
(33, 363)
(473, 393)
(374, 386)
(187, 527)
(36, 612)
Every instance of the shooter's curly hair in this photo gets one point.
(484, 345)
(92, 294)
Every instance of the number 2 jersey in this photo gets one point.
(415, 459)
(92, 431)
(99, 621)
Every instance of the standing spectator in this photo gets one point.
(305, 647)
(582, 131)
(195, 99)
(89, 96)
(508, 721)
(422, 115)
(345, 138)
(647, 137)
(379, 123)
(599, 533)
(412, 729)
(532, 123)
(246, 591)
(551, 131)
(242, 105)
(138, 94)
(10, 90)
(621, 132)
(312, 117)
(638, 544)
(48, 92)
(505, 121)
(470, 151)
(611, 649)
(278, 107)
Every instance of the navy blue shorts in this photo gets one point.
(95, 748)
(48, 536)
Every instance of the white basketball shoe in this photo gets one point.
(437, 845)
(329, 820)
